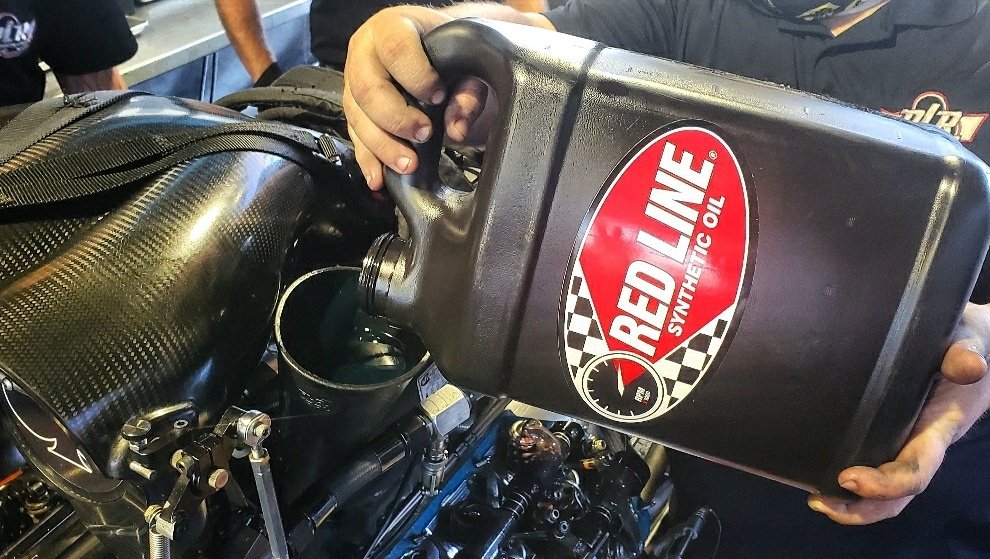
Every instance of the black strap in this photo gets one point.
(44, 118)
(114, 178)
(120, 158)
(329, 102)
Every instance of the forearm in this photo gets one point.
(495, 11)
(528, 5)
(241, 20)
(95, 81)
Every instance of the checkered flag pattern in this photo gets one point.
(683, 368)
(583, 340)
(680, 370)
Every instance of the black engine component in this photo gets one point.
(530, 502)
(610, 527)
(152, 292)
(14, 516)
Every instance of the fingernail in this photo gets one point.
(816, 505)
(437, 97)
(461, 128)
(850, 485)
(423, 134)
(402, 163)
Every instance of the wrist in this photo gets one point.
(269, 75)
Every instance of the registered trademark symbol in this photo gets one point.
(712, 155)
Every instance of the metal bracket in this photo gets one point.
(204, 469)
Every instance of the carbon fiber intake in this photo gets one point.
(157, 292)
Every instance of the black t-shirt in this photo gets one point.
(926, 60)
(332, 22)
(72, 36)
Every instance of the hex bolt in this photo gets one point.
(136, 429)
(218, 479)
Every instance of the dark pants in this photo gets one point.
(762, 519)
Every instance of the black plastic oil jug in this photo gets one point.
(739, 270)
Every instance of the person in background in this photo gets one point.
(82, 41)
(331, 24)
(925, 60)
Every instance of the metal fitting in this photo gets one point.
(253, 427)
(136, 428)
(39, 500)
(262, 431)
(434, 467)
(141, 470)
(446, 408)
(176, 459)
(218, 479)
(151, 513)
(596, 446)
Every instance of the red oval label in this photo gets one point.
(654, 287)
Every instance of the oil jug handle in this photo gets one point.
(427, 173)
(459, 49)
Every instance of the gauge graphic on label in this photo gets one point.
(622, 386)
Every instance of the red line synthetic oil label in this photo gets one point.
(654, 288)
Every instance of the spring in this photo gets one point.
(160, 547)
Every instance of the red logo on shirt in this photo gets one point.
(932, 107)
(15, 35)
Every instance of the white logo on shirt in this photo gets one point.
(15, 35)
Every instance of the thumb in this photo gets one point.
(964, 362)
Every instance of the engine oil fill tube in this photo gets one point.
(343, 363)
